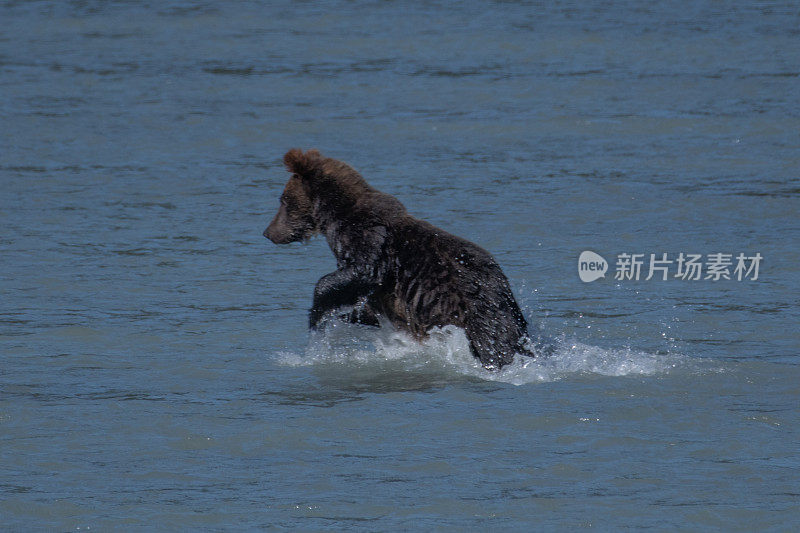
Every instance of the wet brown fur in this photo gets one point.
(392, 265)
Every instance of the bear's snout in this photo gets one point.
(278, 235)
(270, 234)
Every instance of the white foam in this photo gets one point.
(446, 351)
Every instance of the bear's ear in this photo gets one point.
(301, 163)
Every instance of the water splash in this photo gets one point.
(446, 352)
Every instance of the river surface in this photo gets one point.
(156, 372)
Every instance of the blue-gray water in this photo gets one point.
(155, 368)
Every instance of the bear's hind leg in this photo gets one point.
(492, 347)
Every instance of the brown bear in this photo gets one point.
(392, 265)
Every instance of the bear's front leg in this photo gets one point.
(362, 313)
(340, 288)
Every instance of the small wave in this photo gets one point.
(446, 352)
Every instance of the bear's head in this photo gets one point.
(295, 219)
(321, 192)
